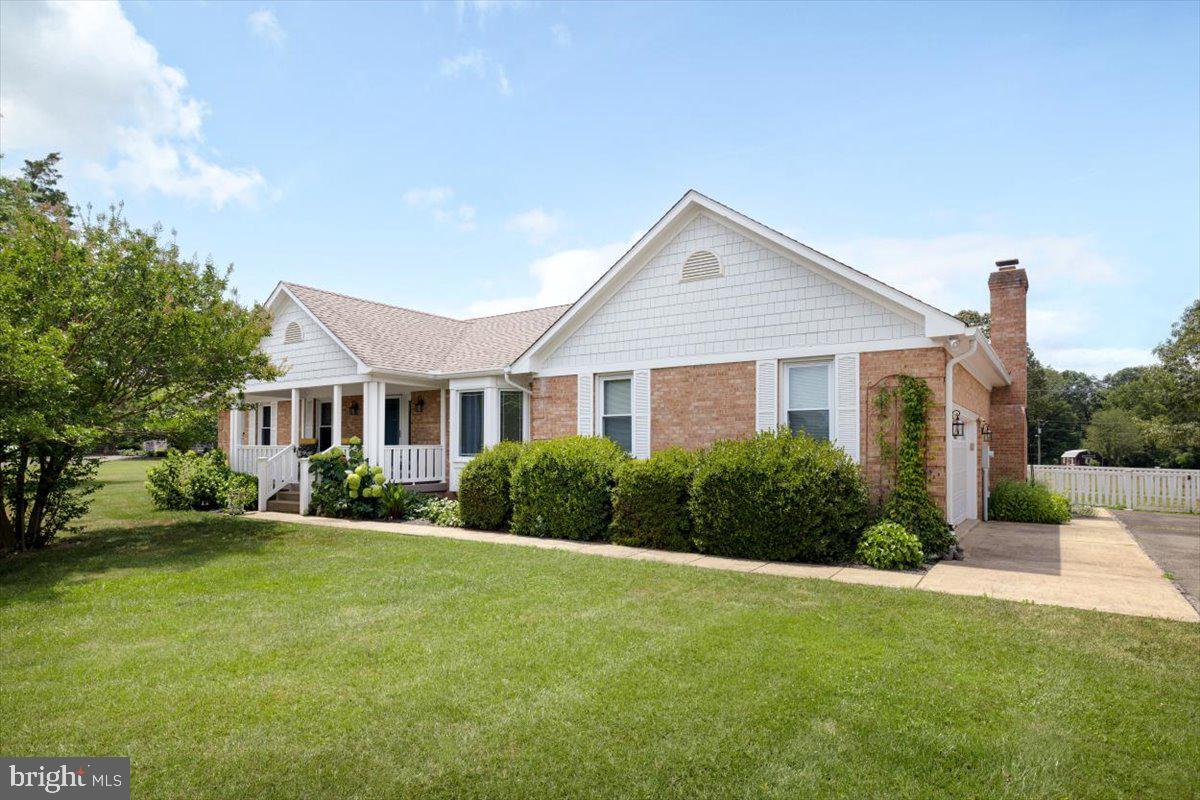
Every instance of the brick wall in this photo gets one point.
(553, 407)
(351, 426)
(875, 370)
(692, 407)
(1009, 287)
(223, 430)
(283, 425)
(424, 425)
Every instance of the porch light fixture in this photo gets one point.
(419, 405)
(956, 426)
(986, 432)
(354, 410)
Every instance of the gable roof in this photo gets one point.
(935, 322)
(395, 339)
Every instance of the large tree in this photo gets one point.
(106, 331)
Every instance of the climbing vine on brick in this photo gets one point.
(909, 502)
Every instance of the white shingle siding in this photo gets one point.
(316, 355)
(763, 302)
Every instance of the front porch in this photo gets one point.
(402, 427)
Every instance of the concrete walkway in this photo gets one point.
(1091, 564)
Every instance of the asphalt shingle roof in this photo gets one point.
(401, 339)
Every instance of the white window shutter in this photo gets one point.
(767, 395)
(586, 421)
(848, 403)
(641, 413)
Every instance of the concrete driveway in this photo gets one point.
(1088, 563)
(1173, 542)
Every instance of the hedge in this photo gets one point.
(484, 487)
(650, 501)
(778, 497)
(187, 480)
(561, 488)
(1021, 501)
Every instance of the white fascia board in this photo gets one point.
(935, 321)
(983, 364)
(306, 383)
(362, 367)
(811, 351)
(988, 352)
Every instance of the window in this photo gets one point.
(512, 416)
(264, 424)
(616, 417)
(391, 421)
(808, 399)
(470, 423)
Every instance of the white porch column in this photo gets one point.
(337, 414)
(297, 410)
(443, 415)
(235, 434)
(373, 393)
(491, 416)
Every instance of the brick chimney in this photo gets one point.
(1008, 286)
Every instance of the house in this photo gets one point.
(1080, 458)
(711, 326)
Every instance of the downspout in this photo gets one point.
(527, 413)
(517, 386)
(949, 414)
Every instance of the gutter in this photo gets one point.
(508, 371)
(949, 414)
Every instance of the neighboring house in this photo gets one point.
(1080, 458)
(711, 326)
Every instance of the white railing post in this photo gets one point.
(305, 486)
(264, 483)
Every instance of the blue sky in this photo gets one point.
(480, 157)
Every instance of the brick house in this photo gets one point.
(711, 326)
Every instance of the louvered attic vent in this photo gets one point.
(700, 265)
(292, 335)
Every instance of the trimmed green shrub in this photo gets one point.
(484, 488)
(561, 488)
(188, 480)
(650, 501)
(778, 497)
(887, 545)
(1021, 501)
(241, 492)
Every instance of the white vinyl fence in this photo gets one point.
(1134, 488)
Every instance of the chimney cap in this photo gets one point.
(1008, 263)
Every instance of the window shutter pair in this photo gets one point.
(586, 414)
(846, 394)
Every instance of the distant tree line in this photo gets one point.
(1141, 416)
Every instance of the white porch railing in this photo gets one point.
(414, 463)
(1134, 488)
(276, 472)
(245, 457)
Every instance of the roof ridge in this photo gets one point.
(375, 302)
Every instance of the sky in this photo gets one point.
(481, 157)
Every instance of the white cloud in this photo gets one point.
(474, 61)
(77, 78)
(561, 35)
(951, 271)
(484, 9)
(537, 225)
(561, 278)
(437, 199)
(265, 25)
(502, 80)
(1099, 361)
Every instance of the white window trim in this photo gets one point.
(785, 390)
(598, 405)
(458, 453)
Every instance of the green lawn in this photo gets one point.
(231, 658)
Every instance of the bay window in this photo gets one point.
(470, 423)
(512, 416)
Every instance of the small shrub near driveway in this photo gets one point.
(888, 546)
(187, 480)
(778, 497)
(484, 488)
(650, 501)
(561, 488)
(1021, 501)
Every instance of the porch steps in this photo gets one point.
(286, 500)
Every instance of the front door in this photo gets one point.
(325, 426)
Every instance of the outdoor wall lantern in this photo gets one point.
(419, 405)
(354, 410)
(986, 432)
(956, 426)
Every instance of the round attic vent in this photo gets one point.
(293, 334)
(700, 265)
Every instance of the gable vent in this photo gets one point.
(292, 335)
(700, 265)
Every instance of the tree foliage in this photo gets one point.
(106, 331)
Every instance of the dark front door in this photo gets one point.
(325, 427)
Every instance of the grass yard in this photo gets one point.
(231, 658)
